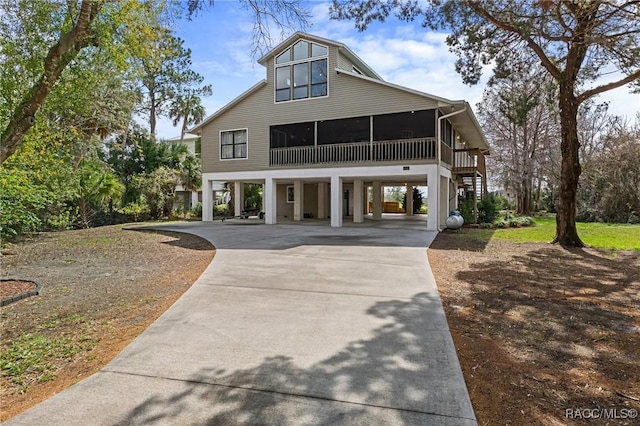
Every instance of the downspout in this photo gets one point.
(439, 155)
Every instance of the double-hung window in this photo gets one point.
(301, 72)
(233, 144)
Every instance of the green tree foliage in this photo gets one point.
(577, 42)
(38, 184)
(21, 204)
(417, 200)
(253, 196)
(100, 191)
(187, 109)
(135, 158)
(487, 209)
(168, 85)
(157, 190)
(42, 39)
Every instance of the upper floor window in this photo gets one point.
(233, 144)
(301, 72)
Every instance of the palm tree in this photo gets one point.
(187, 109)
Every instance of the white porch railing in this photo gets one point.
(358, 152)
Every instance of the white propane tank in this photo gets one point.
(454, 222)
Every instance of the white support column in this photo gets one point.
(322, 200)
(365, 200)
(444, 202)
(432, 199)
(298, 200)
(336, 201)
(377, 200)
(238, 197)
(358, 200)
(269, 199)
(207, 201)
(194, 198)
(409, 207)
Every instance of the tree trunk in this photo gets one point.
(152, 116)
(59, 56)
(566, 232)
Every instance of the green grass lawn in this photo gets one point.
(599, 235)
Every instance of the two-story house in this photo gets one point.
(323, 131)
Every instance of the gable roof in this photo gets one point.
(359, 63)
(187, 137)
(465, 121)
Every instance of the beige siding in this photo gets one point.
(344, 62)
(348, 97)
(284, 208)
(311, 199)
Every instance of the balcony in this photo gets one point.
(360, 152)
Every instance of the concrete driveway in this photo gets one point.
(289, 325)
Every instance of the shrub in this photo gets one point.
(514, 222)
(133, 210)
(527, 221)
(487, 209)
(21, 204)
(196, 210)
(466, 211)
(221, 210)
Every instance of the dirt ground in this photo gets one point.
(544, 335)
(101, 287)
(539, 330)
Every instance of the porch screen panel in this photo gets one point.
(345, 130)
(404, 125)
(290, 135)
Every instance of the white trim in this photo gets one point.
(220, 144)
(319, 40)
(326, 173)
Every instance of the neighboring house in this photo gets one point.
(324, 134)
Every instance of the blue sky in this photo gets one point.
(402, 53)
